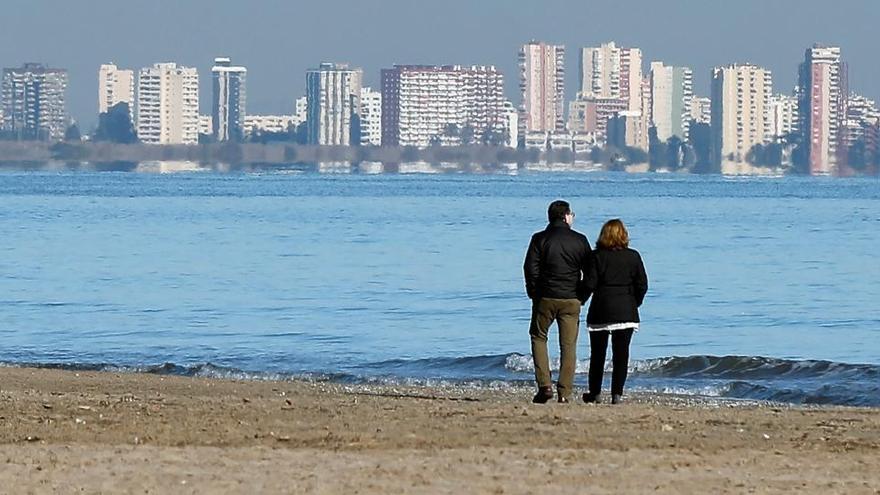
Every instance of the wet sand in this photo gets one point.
(84, 432)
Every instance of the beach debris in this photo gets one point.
(31, 438)
(283, 438)
(80, 421)
(47, 406)
(84, 408)
(245, 400)
(666, 427)
(137, 441)
(766, 436)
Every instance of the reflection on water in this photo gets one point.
(335, 167)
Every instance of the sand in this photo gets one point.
(84, 432)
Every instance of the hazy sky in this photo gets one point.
(277, 40)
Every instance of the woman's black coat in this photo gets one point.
(618, 283)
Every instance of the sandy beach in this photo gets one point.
(86, 432)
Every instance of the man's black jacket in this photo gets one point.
(556, 263)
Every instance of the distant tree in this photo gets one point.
(466, 135)
(858, 155)
(657, 153)
(674, 153)
(495, 137)
(765, 155)
(115, 125)
(700, 140)
(301, 133)
(72, 134)
(800, 154)
(635, 155)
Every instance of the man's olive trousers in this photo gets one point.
(566, 313)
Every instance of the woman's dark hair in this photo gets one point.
(557, 210)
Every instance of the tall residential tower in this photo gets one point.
(34, 102)
(333, 93)
(168, 104)
(115, 86)
(542, 85)
(229, 100)
(672, 90)
(822, 91)
(740, 111)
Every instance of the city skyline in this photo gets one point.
(277, 42)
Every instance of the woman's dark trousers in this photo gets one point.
(620, 340)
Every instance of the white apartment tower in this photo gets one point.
(671, 93)
(740, 111)
(229, 102)
(115, 86)
(542, 85)
(168, 104)
(822, 94)
(783, 115)
(429, 104)
(34, 102)
(701, 109)
(371, 117)
(609, 71)
(333, 93)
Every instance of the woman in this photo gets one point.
(618, 283)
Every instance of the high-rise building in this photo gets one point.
(34, 102)
(740, 111)
(701, 109)
(611, 85)
(450, 104)
(301, 109)
(371, 117)
(862, 117)
(590, 116)
(671, 93)
(609, 71)
(168, 104)
(269, 123)
(542, 85)
(115, 86)
(783, 115)
(229, 100)
(333, 92)
(822, 91)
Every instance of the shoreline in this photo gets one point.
(127, 432)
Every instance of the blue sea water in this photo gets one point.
(759, 287)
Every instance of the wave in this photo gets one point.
(739, 377)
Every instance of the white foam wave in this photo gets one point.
(523, 363)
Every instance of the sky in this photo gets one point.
(278, 40)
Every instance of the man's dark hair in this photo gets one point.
(558, 209)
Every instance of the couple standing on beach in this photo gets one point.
(561, 273)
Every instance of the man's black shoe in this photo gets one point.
(544, 394)
(591, 398)
(616, 398)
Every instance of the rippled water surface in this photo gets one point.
(396, 275)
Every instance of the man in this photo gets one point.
(556, 263)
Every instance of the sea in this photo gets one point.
(760, 287)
